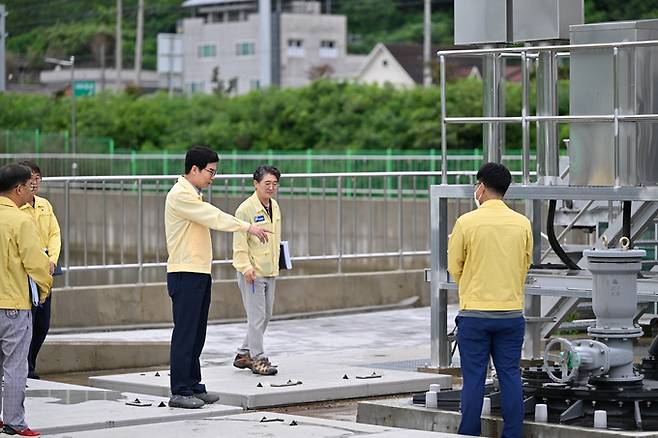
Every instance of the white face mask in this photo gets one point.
(475, 196)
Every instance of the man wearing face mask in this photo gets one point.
(489, 253)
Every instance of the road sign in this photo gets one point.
(84, 88)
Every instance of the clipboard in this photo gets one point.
(285, 261)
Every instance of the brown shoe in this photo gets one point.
(264, 367)
(242, 361)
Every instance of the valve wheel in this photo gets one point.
(567, 359)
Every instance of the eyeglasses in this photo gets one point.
(212, 172)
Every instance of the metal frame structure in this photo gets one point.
(538, 284)
(525, 119)
(570, 289)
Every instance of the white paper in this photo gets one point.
(34, 291)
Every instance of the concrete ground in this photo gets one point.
(386, 330)
(301, 379)
(257, 424)
(397, 339)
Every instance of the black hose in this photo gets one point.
(653, 349)
(555, 245)
(626, 222)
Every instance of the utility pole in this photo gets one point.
(74, 136)
(276, 43)
(103, 44)
(118, 46)
(265, 51)
(3, 37)
(427, 45)
(138, 43)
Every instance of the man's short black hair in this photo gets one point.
(12, 175)
(32, 165)
(263, 170)
(199, 156)
(495, 176)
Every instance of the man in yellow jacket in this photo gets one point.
(49, 235)
(489, 253)
(188, 220)
(257, 266)
(22, 256)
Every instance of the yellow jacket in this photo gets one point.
(489, 253)
(188, 220)
(49, 232)
(248, 251)
(21, 254)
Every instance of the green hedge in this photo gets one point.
(325, 115)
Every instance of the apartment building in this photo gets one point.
(221, 46)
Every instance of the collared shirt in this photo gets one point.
(489, 254)
(188, 220)
(49, 232)
(21, 255)
(248, 251)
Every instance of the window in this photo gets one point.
(328, 49)
(194, 87)
(254, 84)
(234, 16)
(385, 63)
(245, 49)
(207, 51)
(295, 48)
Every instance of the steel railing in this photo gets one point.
(115, 223)
(64, 164)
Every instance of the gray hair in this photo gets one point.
(265, 169)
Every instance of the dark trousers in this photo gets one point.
(478, 338)
(40, 327)
(190, 299)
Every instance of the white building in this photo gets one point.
(401, 65)
(221, 46)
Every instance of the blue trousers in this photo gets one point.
(190, 299)
(40, 327)
(502, 339)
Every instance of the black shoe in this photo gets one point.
(185, 402)
(207, 397)
(33, 376)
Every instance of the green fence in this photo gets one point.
(98, 156)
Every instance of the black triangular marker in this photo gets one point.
(345, 377)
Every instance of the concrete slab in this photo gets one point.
(402, 413)
(279, 425)
(53, 407)
(321, 380)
